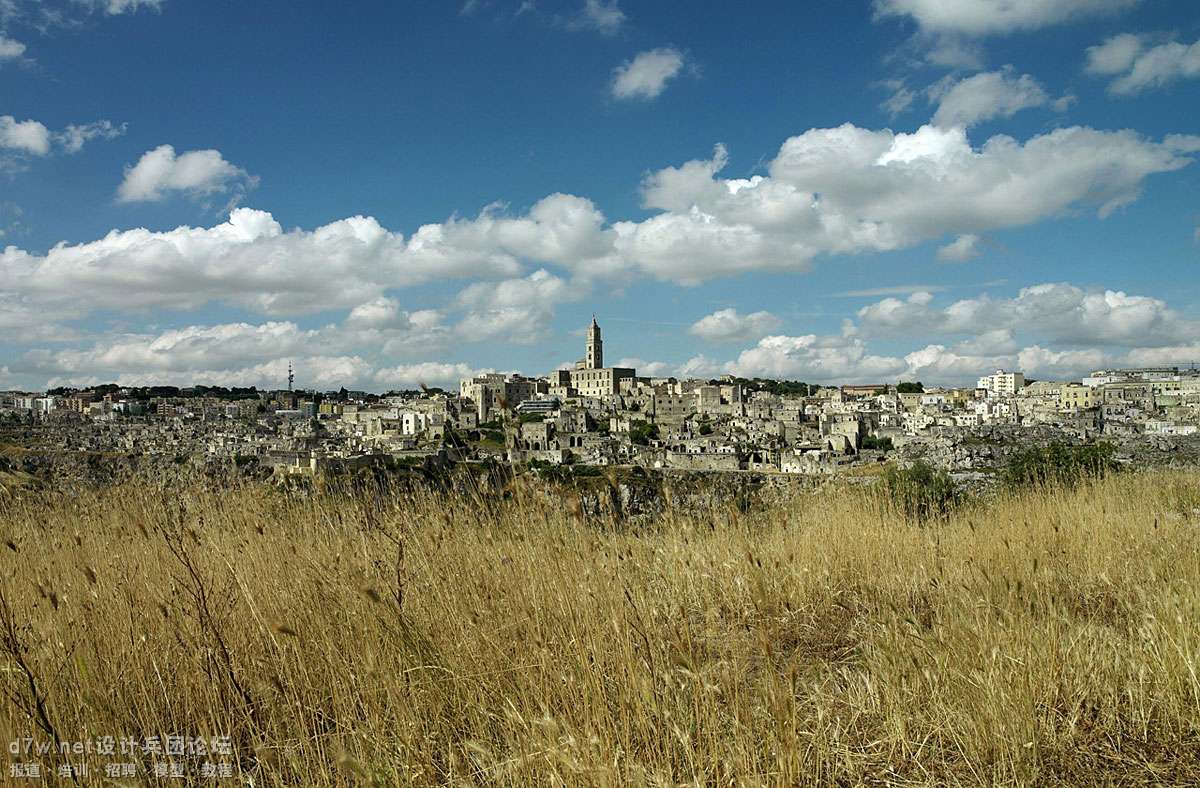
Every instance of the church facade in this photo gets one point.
(591, 378)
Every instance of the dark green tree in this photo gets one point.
(1059, 463)
(920, 491)
(642, 432)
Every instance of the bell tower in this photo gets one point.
(595, 347)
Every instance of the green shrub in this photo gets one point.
(1059, 463)
(642, 432)
(585, 470)
(920, 491)
(491, 438)
(873, 442)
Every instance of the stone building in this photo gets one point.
(594, 352)
(1072, 396)
(493, 391)
(591, 378)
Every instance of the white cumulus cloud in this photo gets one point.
(601, 16)
(1138, 66)
(847, 359)
(249, 261)
(815, 358)
(515, 310)
(647, 75)
(197, 173)
(360, 351)
(950, 31)
(1070, 364)
(839, 191)
(24, 136)
(1053, 330)
(1058, 312)
(726, 325)
(429, 373)
(982, 97)
(849, 190)
(1115, 55)
(700, 366)
(75, 136)
(252, 262)
(652, 369)
(117, 7)
(228, 355)
(10, 49)
(964, 247)
(178, 350)
(33, 138)
(988, 17)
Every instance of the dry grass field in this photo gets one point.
(1049, 637)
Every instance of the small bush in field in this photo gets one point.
(1059, 464)
(920, 491)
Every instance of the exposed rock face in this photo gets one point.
(972, 457)
(71, 470)
(1160, 450)
(640, 493)
(985, 449)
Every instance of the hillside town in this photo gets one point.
(594, 415)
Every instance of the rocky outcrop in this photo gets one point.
(983, 450)
(641, 492)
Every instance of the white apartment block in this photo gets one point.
(1001, 383)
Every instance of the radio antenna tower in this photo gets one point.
(291, 376)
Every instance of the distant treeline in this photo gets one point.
(783, 388)
(797, 388)
(233, 393)
(151, 392)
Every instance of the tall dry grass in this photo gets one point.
(1049, 637)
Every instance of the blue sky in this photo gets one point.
(394, 193)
